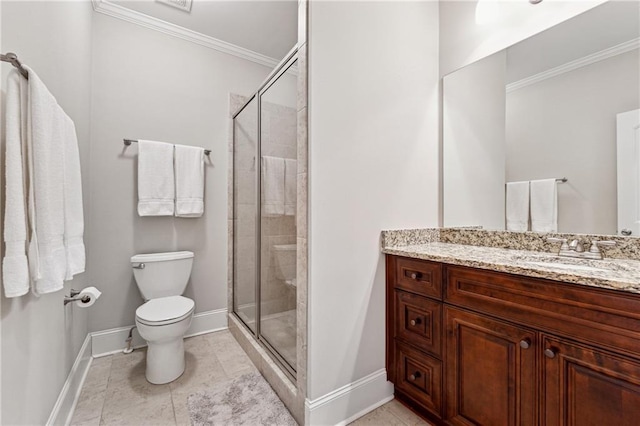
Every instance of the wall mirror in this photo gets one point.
(551, 106)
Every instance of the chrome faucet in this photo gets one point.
(576, 248)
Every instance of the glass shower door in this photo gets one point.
(245, 214)
(278, 145)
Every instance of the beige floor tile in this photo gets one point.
(198, 371)
(404, 414)
(135, 401)
(379, 417)
(89, 406)
(128, 366)
(91, 422)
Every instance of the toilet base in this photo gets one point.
(165, 361)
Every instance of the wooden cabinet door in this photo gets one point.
(490, 371)
(585, 386)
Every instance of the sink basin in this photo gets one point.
(565, 266)
(570, 264)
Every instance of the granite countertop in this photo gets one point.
(616, 274)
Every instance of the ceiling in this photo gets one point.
(267, 27)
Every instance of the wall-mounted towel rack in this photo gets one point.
(128, 142)
(562, 180)
(12, 58)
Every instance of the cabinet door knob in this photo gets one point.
(416, 275)
(550, 353)
(415, 376)
(416, 321)
(525, 343)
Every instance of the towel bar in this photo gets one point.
(128, 142)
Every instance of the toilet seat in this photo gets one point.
(165, 310)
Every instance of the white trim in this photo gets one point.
(68, 398)
(351, 401)
(578, 63)
(112, 341)
(111, 9)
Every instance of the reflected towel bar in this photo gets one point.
(128, 142)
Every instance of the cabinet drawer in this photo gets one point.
(419, 377)
(419, 321)
(419, 276)
(598, 316)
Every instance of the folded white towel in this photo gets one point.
(156, 189)
(517, 206)
(273, 171)
(544, 205)
(189, 165)
(15, 269)
(73, 210)
(55, 191)
(290, 186)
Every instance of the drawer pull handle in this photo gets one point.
(415, 376)
(416, 321)
(416, 275)
(550, 353)
(525, 343)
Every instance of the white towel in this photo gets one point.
(189, 165)
(544, 205)
(15, 268)
(517, 206)
(56, 248)
(290, 186)
(156, 189)
(273, 171)
(73, 209)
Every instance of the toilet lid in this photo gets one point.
(165, 309)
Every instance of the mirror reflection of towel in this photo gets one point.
(544, 205)
(518, 206)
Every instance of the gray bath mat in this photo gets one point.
(246, 400)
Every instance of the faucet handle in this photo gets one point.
(596, 244)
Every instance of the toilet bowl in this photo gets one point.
(166, 315)
(285, 257)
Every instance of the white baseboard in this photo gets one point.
(112, 341)
(66, 403)
(351, 401)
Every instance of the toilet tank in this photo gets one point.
(162, 274)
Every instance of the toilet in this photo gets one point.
(285, 256)
(166, 315)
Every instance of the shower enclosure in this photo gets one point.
(264, 213)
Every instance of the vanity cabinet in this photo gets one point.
(489, 348)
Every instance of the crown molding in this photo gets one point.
(111, 9)
(578, 63)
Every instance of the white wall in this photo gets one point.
(464, 40)
(373, 165)
(577, 140)
(147, 85)
(474, 156)
(40, 337)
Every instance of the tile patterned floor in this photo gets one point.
(116, 392)
(390, 414)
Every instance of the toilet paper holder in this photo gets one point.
(75, 297)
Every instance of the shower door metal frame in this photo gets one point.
(273, 76)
